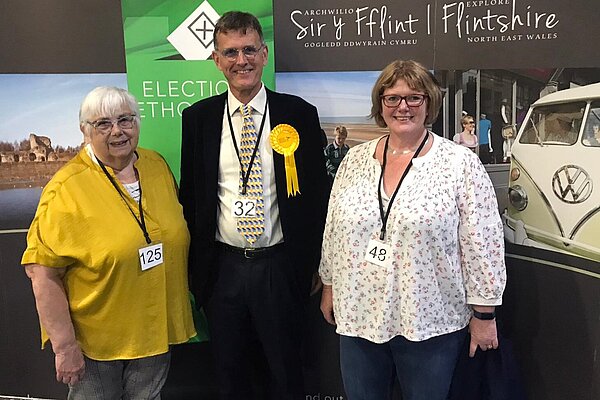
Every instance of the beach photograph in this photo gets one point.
(342, 98)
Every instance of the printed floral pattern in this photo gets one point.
(446, 238)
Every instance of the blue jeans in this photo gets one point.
(139, 379)
(424, 369)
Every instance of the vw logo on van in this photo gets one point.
(572, 184)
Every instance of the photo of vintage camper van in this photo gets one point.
(554, 186)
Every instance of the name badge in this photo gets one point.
(151, 256)
(378, 253)
(243, 207)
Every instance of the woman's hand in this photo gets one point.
(483, 335)
(70, 365)
(327, 304)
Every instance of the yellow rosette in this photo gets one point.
(284, 139)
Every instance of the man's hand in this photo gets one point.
(327, 304)
(70, 365)
(316, 284)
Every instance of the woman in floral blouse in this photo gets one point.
(413, 251)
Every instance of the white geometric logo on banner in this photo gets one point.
(193, 39)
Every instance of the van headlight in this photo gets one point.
(517, 197)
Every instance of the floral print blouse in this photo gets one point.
(446, 240)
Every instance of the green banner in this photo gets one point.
(168, 45)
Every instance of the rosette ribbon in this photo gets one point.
(285, 140)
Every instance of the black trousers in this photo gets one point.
(255, 317)
(484, 153)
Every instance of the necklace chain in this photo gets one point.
(395, 152)
(401, 152)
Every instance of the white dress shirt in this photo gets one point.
(229, 174)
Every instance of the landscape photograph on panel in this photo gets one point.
(39, 134)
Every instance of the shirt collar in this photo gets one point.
(257, 103)
(90, 152)
(423, 160)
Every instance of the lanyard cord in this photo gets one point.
(246, 176)
(141, 222)
(385, 215)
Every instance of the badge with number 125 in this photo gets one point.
(151, 256)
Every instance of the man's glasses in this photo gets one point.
(412, 100)
(105, 125)
(248, 51)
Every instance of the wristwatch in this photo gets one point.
(486, 316)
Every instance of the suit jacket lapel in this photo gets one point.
(212, 144)
(277, 115)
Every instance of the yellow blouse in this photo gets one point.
(83, 224)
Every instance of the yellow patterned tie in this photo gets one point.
(251, 227)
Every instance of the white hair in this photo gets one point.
(107, 101)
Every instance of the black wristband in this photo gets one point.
(486, 316)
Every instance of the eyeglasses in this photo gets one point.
(412, 100)
(470, 122)
(105, 125)
(248, 51)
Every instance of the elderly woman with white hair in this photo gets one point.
(107, 258)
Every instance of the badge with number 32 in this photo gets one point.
(243, 207)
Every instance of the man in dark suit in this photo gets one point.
(255, 246)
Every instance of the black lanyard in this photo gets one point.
(246, 175)
(386, 214)
(141, 222)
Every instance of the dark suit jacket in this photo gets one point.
(302, 216)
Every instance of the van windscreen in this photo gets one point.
(591, 132)
(556, 124)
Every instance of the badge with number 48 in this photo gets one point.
(378, 253)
